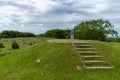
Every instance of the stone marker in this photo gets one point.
(15, 45)
(1, 45)
(30, 43)
(72, 34)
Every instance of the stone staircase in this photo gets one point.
(90, 57)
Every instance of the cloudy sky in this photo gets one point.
(37, 16)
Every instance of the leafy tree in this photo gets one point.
(57, 33)
(95, 30)
(27, 34)
(0, 35)
(40, 35)
(117, 39)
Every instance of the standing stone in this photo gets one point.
(1, 45)
(72, 34)
(30, 43)
(15, 45)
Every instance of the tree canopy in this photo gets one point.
(14, 34)
(57, 33)
(94, 30)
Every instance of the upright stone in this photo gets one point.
(15, 45)
(72, 34)
(1, 45)
(30, 43)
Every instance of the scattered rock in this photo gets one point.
(78, 67)
(38, 61)
(15, 45)
(41, 73)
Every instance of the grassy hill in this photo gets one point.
(57, 61)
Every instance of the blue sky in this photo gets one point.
(38, 16)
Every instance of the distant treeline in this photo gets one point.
(86, 30)
(57, 33)
(15, 34)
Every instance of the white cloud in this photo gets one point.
(40, 5)
(94, 6)
(8, 13)
(39, 15)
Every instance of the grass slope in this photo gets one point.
(58, 62)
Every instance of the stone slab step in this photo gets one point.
(83, 45)
(85, 48)
(96, 56)
(95, 61)
(87, 52)
(99, 67)
(81, 42)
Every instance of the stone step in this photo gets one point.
(99, 67)
(94, 56)
(90, 57)
(85, 48)
(87, 52)
(83, 45)
(80, 42)
(95, 61)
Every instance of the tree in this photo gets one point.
(0, 35)
(57, 33)
(95, 30)
(27, 34)
(14, 34)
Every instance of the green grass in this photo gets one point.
(58, 62)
